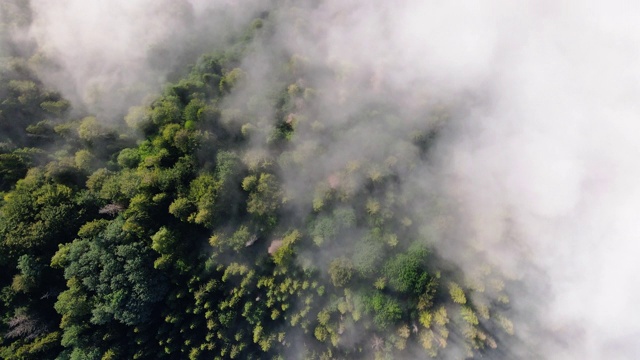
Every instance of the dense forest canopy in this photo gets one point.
(242, 192)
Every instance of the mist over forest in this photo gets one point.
(279, 179)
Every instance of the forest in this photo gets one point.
(236, 213)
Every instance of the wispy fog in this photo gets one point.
(110, 55)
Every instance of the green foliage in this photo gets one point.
(181, 208)
(91, 131)
(42, 129)
(39, 348)
(29, 268)
(118, 271)
(57, 108)
(404, 272)
(230, 79)
(239, 238)
(194, 112)
(139, 117)
(285, 252)
(341, 271)
(165, 111)
(164, 241)
(128, 158)
(346, 217)
(203, 191)
(386, 310)
(324, 230)
(38, 214)
(265, 198)
(457, 294)
(12, 168)
(84, 160)
(469, 316)
(368, 255)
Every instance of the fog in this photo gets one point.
(108, 56)
(554, 154)
(542, 163)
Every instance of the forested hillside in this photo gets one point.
(240, 213)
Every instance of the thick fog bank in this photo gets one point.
(553, 157)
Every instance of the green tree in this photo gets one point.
(386, 310)
(265, 197)
(404, 273)
(341, 270)
(12, 168)
(39, 214)
(129, 158)
(369, 252)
